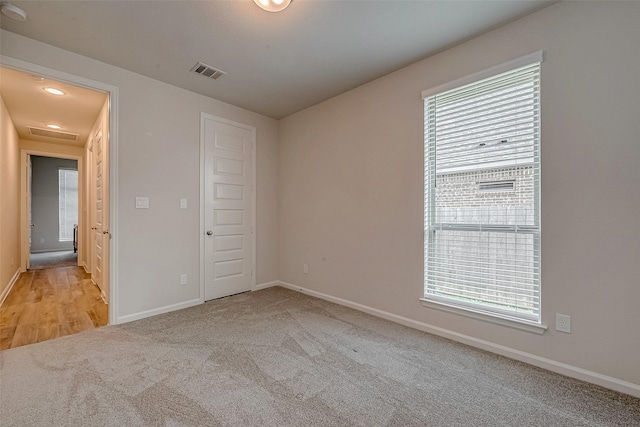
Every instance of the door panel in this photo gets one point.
(29, 180)
(91, 203)
(98, 251)
(228, 209)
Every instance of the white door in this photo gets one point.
(91, 203)
(29, 179)
(101, 238)
(228, 210)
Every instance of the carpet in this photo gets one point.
(55, 259)
(279, 358)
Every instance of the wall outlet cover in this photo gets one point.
(563, 323)
(142, 203)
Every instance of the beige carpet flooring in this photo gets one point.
(279, 358)
(55, 259)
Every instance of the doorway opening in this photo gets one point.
(64, 219)
(54, 212)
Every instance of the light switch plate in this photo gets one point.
(183, 203)
(142, 203)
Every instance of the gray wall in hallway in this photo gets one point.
(44, 203)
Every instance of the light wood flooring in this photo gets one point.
(50, 303)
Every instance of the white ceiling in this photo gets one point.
(277, 63)
(30, 106)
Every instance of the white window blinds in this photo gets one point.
(482, 193)
(67, 203)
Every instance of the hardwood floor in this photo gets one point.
(50, 303)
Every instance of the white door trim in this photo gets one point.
(73, 79)
(24, 221)
(203, 117)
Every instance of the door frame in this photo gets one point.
(25, 226)
(203, 118)
(112, 136)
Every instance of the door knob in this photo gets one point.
(94, 228)
(209, 232)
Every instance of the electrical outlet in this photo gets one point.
(563, 323)
(142, 203)
(305, 269)
(183, 279)
(183, 203)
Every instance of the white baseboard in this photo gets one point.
(541, 362)
(12, 282)
(42, 251)
(266, 285)
(166, 309)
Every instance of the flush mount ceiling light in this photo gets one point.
(273, 5)
(54, 91)
(54, 127)
(13, 12)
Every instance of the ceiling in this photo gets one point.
(277, 63)
(30, 106)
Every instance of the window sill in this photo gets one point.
(522, 325)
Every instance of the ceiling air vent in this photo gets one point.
(53, 134)
(207, 71)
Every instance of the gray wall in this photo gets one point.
(44, 203)
(351, 188)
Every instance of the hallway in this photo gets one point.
(50, 303)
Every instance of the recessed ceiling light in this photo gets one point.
(13, 12)
(53, 91)
(273, 5)
(54, 127)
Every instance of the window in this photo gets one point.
(482, 192)
(67, 203)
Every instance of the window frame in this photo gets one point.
(62, 238)
(471, 309)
